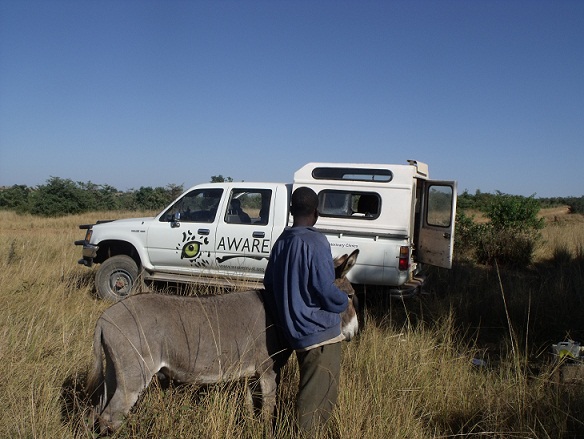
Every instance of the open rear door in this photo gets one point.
(436, 235)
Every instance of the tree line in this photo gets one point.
(509, 236)
(59, 196)
(481, 201)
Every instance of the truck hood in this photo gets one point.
(124, 224)
(136, 220)
(122, 229)
(129, 220)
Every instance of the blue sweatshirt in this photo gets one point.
(300, 291)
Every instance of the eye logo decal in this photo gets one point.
(192, 249)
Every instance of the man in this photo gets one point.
(237, 210)
(305, 304)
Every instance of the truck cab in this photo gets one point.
(220, 230)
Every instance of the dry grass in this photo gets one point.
(563, 232)
(409, 374)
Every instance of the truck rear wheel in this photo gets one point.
(117, 277)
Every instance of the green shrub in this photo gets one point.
(15, 198)
(510, 247)
(511, 235)
(101, 197)
(514, 212)
(58, 197)
(147, 198)
(576, 205)
(467, 235)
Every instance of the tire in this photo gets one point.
(117, 277)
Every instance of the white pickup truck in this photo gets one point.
(222, 233)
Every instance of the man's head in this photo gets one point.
(235, 204)
(304, 206)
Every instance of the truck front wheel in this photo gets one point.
(116, 278)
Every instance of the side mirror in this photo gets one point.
(175, 221)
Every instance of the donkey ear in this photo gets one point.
(339, 263)
(344, 263)
(340, 260)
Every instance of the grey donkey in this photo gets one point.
(199, 340)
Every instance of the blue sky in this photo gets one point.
(151, 93)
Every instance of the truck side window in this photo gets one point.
(198, 206)
(368, 205)
(439, 206)
(353, 174)
(335, 203)
(249, 206)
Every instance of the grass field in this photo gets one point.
(409, 374)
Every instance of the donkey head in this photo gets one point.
(349, 322)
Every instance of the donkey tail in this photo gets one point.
(95, 379)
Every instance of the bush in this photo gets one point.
(576, 205)
(511, 235)
(505, 246)
(15, 198)
(467, 235)
(101, 197)
(514, 212)
(147, 198)
(58, 197)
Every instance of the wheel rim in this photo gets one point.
(120, 283)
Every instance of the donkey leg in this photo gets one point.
(250, 399)
(124, 397)
(268, 385)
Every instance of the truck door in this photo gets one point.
(436, 223)
(244, 232)
(183, 238)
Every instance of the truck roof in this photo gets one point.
(322, 172)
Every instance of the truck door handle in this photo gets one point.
(258, 234)
(203, 231)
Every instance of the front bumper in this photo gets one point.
(89, 252)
